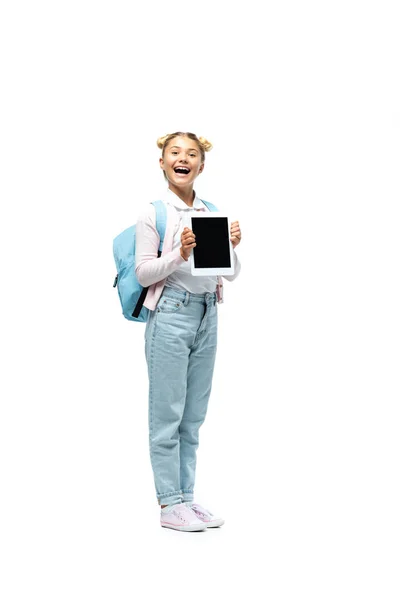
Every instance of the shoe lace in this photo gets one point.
(198, 510)
(177, 514)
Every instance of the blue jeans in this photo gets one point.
(180, 344)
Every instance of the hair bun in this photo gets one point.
(206, 144)
(161, 140)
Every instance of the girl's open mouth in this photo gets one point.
(182, 170)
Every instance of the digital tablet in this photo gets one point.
(213, 253)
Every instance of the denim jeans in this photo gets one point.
(180, 345)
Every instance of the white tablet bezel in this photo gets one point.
(215, 270)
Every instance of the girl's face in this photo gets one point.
(182, 162)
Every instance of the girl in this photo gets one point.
(181, 333)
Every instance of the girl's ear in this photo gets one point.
(201, 168)
(162, 163)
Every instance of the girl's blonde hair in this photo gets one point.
(203, 144)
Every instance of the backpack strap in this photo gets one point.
(210, 206)
(161, 221)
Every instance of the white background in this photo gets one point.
(300, 449)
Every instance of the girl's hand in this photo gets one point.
(188, 242)
(236, 234)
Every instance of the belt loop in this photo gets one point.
(210, 298)
(186, 301)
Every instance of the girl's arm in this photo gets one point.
(236, 236)
(149, 268)
(237, 265)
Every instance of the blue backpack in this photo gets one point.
(131, 293)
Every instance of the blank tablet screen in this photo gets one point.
(212, 242)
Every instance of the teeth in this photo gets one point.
(181, 170)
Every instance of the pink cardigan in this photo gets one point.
(154, 292)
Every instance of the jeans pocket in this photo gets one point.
(169, 305)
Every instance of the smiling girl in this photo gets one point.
(181, 333)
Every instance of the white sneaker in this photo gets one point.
(181, 517)
(205, 515)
